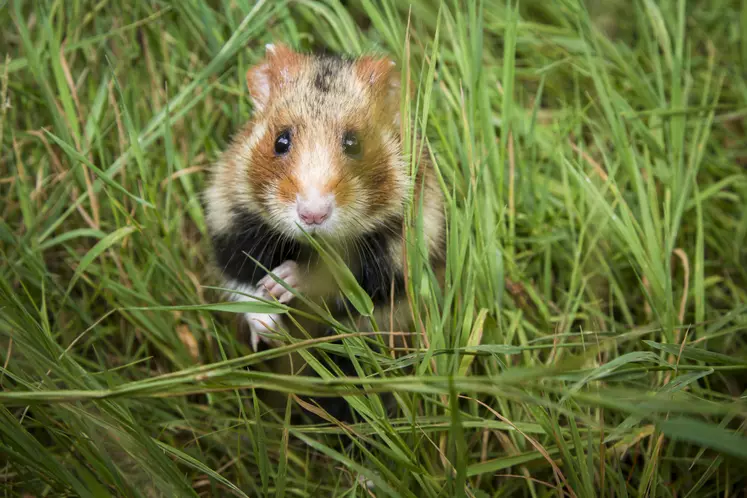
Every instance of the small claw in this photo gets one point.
(264, 282)
(267, 284)
(277, 289)
(254, 340)
(258, 324)
(286, 298)
(281, 293)
(292, 281)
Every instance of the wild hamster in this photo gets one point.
(322, 152)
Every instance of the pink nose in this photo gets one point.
(314, 213)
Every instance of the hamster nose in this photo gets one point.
(314, 212)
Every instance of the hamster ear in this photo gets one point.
(278, 67)
(382, 75)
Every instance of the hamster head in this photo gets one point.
(323, 153)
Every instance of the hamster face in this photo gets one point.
(323, 151)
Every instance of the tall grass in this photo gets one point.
(589, 340)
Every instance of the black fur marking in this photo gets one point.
(376, 270)
(328, 68)
(323, 79)
(253, 236)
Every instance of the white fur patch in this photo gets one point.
(314, 200)
(389, 140)
(229, 183)
(218, 208)
(314, 169)
(247, 147)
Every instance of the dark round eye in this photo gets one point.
(351, 145)
(283, 143)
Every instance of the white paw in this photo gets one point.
(261, 325)
(288, 272)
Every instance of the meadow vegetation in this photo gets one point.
(590, 338)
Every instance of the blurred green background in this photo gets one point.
(590, 339)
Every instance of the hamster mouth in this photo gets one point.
(300, 229)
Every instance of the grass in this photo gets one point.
(590, 340)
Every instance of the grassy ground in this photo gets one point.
(590, 340)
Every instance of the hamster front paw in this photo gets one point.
(263, 324)
(288, 271)
(260, 326)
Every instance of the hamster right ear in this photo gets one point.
(280, 65)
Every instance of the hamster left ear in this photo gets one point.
(278, 67)
(381, 73)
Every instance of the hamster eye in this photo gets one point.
(283, 143)
(351, 145)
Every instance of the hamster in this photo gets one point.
(322, 154)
